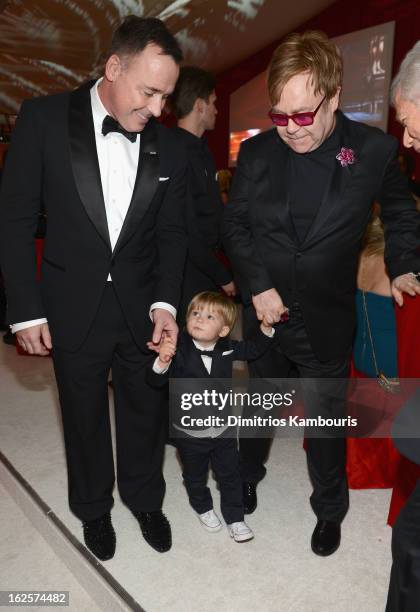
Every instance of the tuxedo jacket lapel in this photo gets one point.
(220, 366)
(87, 175)
(338, 185)
(84, 159)
(146, 184)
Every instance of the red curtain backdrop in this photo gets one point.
(371, 462)
(3, 149)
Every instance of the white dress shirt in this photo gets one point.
(118, 159)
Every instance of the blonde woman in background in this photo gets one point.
(374, 308)
(224, 178)
(371, 462)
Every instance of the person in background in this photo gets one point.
(193, 102)
(299, 204)
(404, 586)
(407, 165)
(371, 461)
(374, 308)
(224, 178)
(113, 183)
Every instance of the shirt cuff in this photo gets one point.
(269, 334)
(157, 369)
(26, 324)
(164, 306)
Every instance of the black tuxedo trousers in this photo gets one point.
(326, 457)
(197, 455)
(82, 379)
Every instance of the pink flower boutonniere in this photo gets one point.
(346, 157)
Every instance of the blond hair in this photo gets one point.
(311, 52)
(224, 178)
(218, 302)
(373, 242)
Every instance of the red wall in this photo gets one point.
(3, 148)
(342, 17)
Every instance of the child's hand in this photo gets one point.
(167, 350)
(152, 346)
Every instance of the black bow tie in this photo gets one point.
(206, 353)
(109, 124)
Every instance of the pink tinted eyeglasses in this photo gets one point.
(300, 119)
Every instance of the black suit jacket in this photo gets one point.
(53, 159)
(319, 273)
(203, 270)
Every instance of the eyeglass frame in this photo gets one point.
(310, 114)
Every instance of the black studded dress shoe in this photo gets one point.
(100, 537)
(249, 491)
(156, 529)
(326, 538)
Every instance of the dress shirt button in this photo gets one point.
(298, 254)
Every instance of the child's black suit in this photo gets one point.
(222, 452)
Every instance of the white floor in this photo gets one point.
(276, 572)
(26, 559)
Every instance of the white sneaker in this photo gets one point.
(240, 532)
(210, 521)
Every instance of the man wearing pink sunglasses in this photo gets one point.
(299, 204)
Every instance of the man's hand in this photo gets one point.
(405, 283)
(35, 340)
(165, 325)
(230, 289)
(269, 307)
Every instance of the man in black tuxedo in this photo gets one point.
(300, 201)
(113, 184)
(404, 586)
(194, 105)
